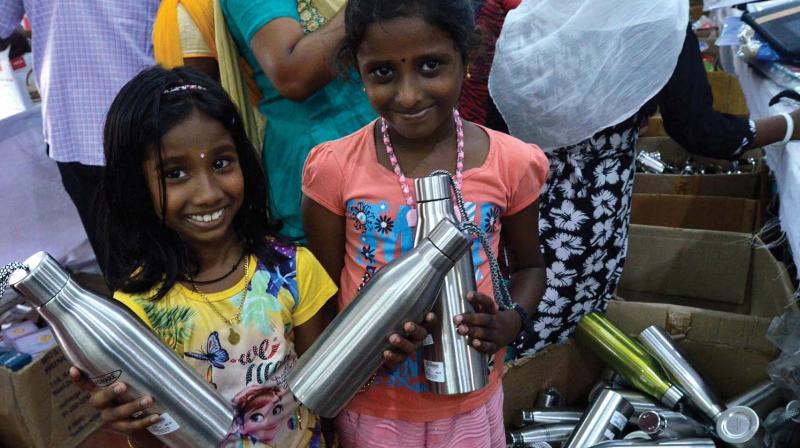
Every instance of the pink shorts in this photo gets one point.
(479, 428)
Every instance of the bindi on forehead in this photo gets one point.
(403, 60)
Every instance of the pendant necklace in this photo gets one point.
(233, 336)
(411, 216)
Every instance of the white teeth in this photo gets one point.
(207, 218)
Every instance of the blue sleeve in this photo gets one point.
(249, 16)
(11, 12)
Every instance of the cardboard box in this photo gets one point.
(715, 343)
(728, 95)
(696, 212)
(655, 127)
(41, 408)
(748, 185)
(725, 271)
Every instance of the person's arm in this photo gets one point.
(298, 64)
(686, 104)
(490, 329)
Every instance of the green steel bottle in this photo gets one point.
(627, 357)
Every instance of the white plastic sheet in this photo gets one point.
(565, 69)
(36, 212)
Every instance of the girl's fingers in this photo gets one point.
(104, 398)
(481, 302)
(127, 410)
(80, 380)
(128, 426)
(474, 319)
(415, 333)
(403, 345)
(484, 346)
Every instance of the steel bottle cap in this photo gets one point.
(650, 422)
(451, 241)
(42, 282)
(672, 396)
(737, 424)
(432, 188)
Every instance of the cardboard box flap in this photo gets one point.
(712, 327)
(695, 212)
(701, 264)
(771, 289)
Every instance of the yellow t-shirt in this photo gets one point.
(251, 373)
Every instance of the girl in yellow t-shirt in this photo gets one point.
(195, 258)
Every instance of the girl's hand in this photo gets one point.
(118, 416)
(488, 329)
(404, 345)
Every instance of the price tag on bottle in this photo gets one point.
(434, 371)
(165, 426)
(619, 421)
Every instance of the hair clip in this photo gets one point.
(184, 87)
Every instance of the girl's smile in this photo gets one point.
(203, 180)
(412, 74)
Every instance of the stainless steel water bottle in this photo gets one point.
(641, 403)
(544, 433)
(671, 425)
(108, 343)
(666, 443)
(626, 357)
(762, 398)
(734, 425)
(548, 416)
(344, 356)
(451, 365)
(605, 419)
(549, 398)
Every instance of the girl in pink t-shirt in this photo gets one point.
(359, 211)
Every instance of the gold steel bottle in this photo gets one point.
(627, 357)
(451, 365)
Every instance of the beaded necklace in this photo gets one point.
(411, 216)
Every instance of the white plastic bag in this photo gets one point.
(565, 69)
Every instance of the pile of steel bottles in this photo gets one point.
(651, 396)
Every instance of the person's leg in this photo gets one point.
(479, 428)
(82, 184)
(364, 431)
(583, 228)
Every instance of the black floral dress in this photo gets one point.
(583, 229)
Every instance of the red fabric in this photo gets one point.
(475, 93)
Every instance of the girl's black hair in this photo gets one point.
(455, 17)
(144, 252)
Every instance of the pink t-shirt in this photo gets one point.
(344, 176)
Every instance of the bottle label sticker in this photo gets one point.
(107, 379)
(165, 426)
(619, 421)
(608, 435)
(434, 371)
(428, 340)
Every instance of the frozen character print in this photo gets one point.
(259, 413)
